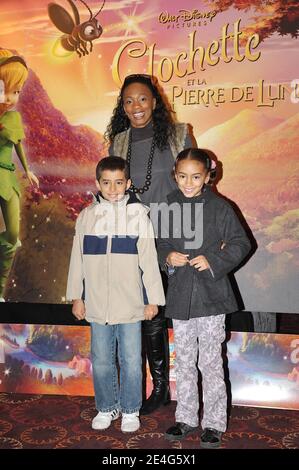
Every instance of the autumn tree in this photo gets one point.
(270, 16)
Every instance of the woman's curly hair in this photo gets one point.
(163, 121)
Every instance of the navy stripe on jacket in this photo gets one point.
(94, 245)
(124, 244)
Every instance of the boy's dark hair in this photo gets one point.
(112, 163)
(198, 155)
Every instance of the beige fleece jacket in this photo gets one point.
(113, 260)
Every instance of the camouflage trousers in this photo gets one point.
(198, 341)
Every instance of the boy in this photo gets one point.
(113, 273)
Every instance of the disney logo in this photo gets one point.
(186, 15)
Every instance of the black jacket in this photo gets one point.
(192, 293)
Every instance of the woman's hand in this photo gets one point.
(78, 309)
(200, 263)
(32, 178)
(150, 311)
(177, 259)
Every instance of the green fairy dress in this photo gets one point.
(11, 134)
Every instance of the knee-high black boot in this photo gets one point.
(157, 351)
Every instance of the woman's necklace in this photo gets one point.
(148, 177)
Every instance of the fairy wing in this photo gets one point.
(61, 18)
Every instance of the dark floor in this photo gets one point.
(60, 422)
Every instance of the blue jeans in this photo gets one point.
(126, 394)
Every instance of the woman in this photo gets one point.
(143, 131)
(13, 74)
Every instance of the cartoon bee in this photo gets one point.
(77, 34)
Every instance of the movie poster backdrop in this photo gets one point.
(229, 68)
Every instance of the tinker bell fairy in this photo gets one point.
(13, 74)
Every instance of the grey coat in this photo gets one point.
(192, 293)
(121, 141)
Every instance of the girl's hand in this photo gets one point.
(32, 178)
(150, 311)
(1, 126)
(78, 309)
(200, 263)
(177, 259)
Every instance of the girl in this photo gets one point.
(13, 74)
(199, 293)
(142, 130)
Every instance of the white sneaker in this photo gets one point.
(130, 422)
(103, 420)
